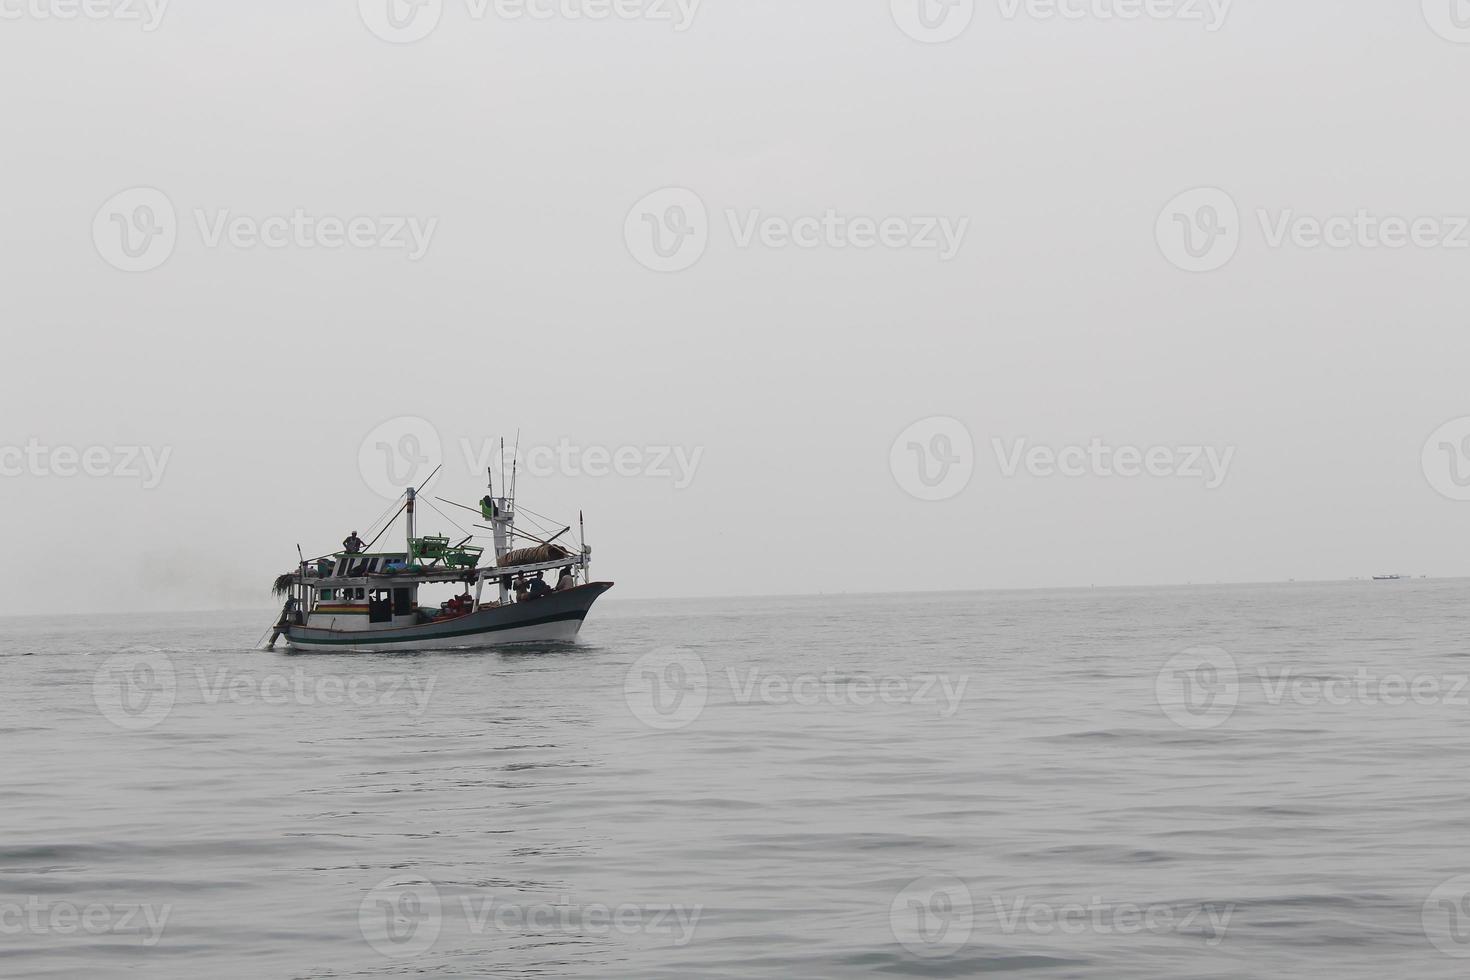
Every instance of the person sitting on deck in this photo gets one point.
(539, 587)
(520, 590)
(568, 580)
(352, 544)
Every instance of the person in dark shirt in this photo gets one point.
(538, 587)
(353, 544)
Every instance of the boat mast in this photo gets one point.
(502, 519)
(412, 494)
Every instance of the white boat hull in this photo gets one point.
(555, 618)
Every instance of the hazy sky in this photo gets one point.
(992, 232)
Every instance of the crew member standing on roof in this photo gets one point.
(352, 544)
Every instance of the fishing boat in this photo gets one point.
(362, 600)
(1388, 578)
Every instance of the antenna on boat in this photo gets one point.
(515, 461)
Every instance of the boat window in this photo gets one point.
(326, 594)
(380, 607)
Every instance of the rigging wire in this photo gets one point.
(369, 548)
(446, 517)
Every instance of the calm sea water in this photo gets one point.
(1189, 782)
